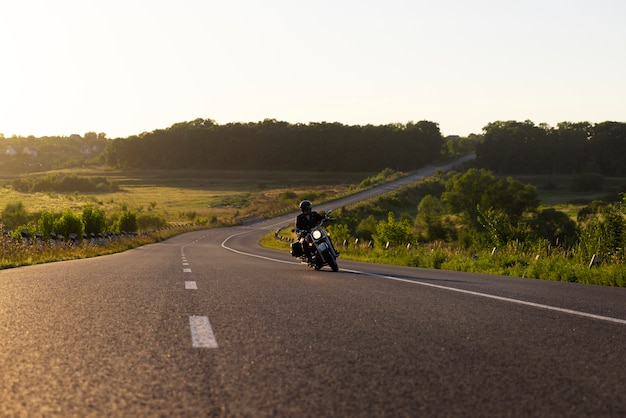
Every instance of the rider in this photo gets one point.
(308, 218)
(305, 221)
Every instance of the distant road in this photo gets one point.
(210, 324)
(419, 174)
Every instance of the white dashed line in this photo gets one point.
(201, 332)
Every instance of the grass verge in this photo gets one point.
(513, 260)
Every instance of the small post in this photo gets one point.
(595, 261)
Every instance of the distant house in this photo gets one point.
(30, 151)
(11, 151)
(86, 149)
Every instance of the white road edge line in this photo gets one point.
(500, 298)
(452, 289)
(251, 255)
(201, 332)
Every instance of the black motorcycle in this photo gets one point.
(321, 250)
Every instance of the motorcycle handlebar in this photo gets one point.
(300, 231)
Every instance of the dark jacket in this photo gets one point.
(303, 223)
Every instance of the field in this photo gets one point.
(555, 191)
(185, 199)
(183, 195)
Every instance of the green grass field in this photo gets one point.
(182, 194)
(185, 199)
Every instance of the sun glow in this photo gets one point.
(127, 67)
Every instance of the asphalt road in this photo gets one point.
(210, 324)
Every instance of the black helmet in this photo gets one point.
(305, 205)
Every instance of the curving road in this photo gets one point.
(210, 324)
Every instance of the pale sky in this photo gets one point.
(124, 67)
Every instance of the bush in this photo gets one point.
(65, 184)
(339, 233)
(68, 224)
(94, 220)
(14, 214)
(45, 224)
(367, 228)
(22, 185)
(554, 226)
(394, 233)
(29, 229)
(127, 222)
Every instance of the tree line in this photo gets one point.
(504, 147)
(514, 147)
(20, 154)
(281, 146)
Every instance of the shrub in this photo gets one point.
(339, 233)
(66, 184)
(554, 226)
(68, 224)
(14, 214)
(367, 228)
(94, 220)
(28, 228)
(22, 185)
(127, 222)
(394, 233)
(45, 224)
(429, 215)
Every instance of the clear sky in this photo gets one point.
(124, 67)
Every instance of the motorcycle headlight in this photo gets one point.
(317, 234)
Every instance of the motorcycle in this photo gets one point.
(319, 245)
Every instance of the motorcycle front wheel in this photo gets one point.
(332, 262)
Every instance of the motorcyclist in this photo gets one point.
(305, 221)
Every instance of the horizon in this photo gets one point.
(82, 135)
